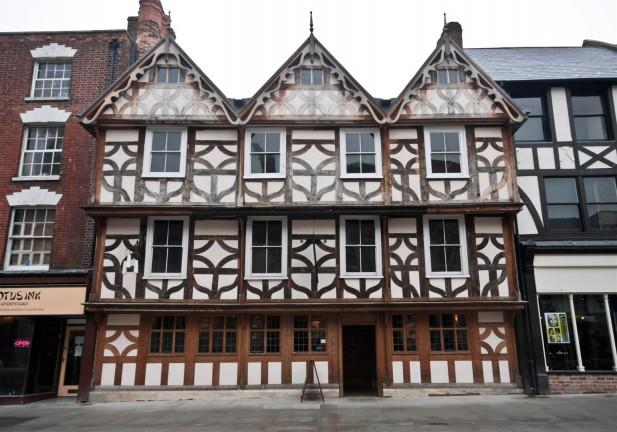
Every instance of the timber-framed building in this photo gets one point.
(237, 241)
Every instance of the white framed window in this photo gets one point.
(360, 153)
(311, 76)
(265, 153)
(165, 153)
(51, 79)
(446, 152)
(360, 247)
(266, 248)
(447, 76)
(445, 246)
(41, 152)
(168, 75)
(30, 238)
(167, 247)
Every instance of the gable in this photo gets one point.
(475, 95)
(284, 97)
(138, 95)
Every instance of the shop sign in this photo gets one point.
(42, 301)
(557, 328)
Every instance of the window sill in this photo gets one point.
(38, 99)
(154, 176)
(265, 177)
(448, 276)
(25, 268)
(155, 276)
(447, 177)
(41, 178)
(264, 277)
(360, 276)
(361, 177)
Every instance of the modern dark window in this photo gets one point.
(447, 76)
(601, 202)
(309, 333)
(167, 246)
(446, 153)
(30, 237)
(311, 76)
(562, 204)
(360, 246)
(52, 80)
(448, 332)
(265, 334)
(217, 334)
(589, 114)
(168, 75)
(267, 247)
(404, 333)
(535, 127)
(166, 152)
(446, 246)
(167, 334)
(42, 151)
(360, 153)
(265, 155)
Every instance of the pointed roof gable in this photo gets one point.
(475, 95)
(284, 97)
(136, 94)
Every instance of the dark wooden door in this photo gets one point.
(359, 361)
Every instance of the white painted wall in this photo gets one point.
(561, 114)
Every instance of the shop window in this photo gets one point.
(265, 334)
(42, 152)
(361, 153)
(445, 246)
(265, 154)
(404, 333)
(589, 114)
(593, 332)
(52, 80)
(535, 127)
(562, 204)
(601, 201)
(15, 347)
(217, 334)
(361, 246)
(557, 327)
(167, 334)
(311, 76)
(165, 153)
(30, 238)
(309, 333)
(266, 247)
(446, 152)
(448, 332)
(166, 248)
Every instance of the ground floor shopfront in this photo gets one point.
(351, 353)
(41, 340)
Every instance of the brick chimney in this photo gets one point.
(150, 26)
(455, 32)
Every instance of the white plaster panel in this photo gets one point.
(228, 373)
(529, 185)
(254, 373)
(490, 316)
(216, 135)
(274, 373)
(524, 158)
(566, 157)
(403, 134)
(122, 319)
(122, 226)
(487, 371)
(488, 225)
(121, 135)
(175, 374)
(203, 374)
(415, 376)
(487, 132)
(397, 372)
(326, 135)
(546, 158)
(402, 225)
(439, 372)
(561, 114)
(108, 373)
(153, 374)
(322, 371)
(128, 374)
(463, 371)
(321, 226)
(504, 371)
(298, 372)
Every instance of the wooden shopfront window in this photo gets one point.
(265, 334)
(404, 337)
(167, 334)
(309, 334)
(448, 332)
(217, 334)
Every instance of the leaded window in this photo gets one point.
(167, 334)
(404, 336)
(217, 334)
(448, 332)
(265, 334)
(309, 333)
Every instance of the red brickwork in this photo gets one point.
(583, 383)
(91, 74)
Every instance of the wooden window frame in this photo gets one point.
(148, 274)
(264, 333)
(311, 70)
(462, 144)
(378, 174)
(250, 275)
(448, 69)
(225, 332)
(462, 232)
(378, 273)
(405, 332)
(310, 330)
(174, 331)
(147, 159)
(455, 328)
(282, 154)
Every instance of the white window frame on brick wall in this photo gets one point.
(343, 154)
(378, 273)
(35, 72)
(250, 275)
(282, 154)
(42, 177)
(462, 142)
(148, 274)
(11, 238)
(146, 169)
(462, 232)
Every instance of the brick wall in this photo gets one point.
(90, 76)
(583, 383)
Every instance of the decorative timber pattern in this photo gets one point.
(491, 258)
(405, 256)
(494, 348)
(120, 349)
(121, 241)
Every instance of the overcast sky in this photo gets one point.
(239, 44)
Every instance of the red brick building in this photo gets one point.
(46, 79)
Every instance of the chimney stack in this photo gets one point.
(455, 33)
(150, 26)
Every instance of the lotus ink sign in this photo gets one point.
(42, 301)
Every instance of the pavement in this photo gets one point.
(580, 413)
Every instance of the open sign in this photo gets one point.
(22, 343)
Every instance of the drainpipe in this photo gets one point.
(114, 45)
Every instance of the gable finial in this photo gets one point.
(445, 21)
(311, 22)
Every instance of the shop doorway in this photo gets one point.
(359, 361)
(71, 361)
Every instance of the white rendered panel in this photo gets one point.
(487, 371)
(128, 374)
(175, 374)
(322, 370)
(561, 114)
(415, 376)
(397, 372)
(153, 374)
(254, 373)
(504, 371)
(463, 371)
(439, 372)
(203, 374)
(298, 372)
(108, 374)
(228, 374)
(274, 373)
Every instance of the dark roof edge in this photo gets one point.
(599, 44)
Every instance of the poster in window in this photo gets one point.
(557, 328)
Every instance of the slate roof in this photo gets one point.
(546, 63)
